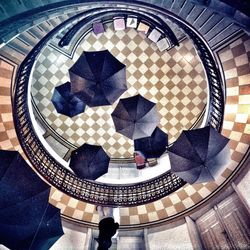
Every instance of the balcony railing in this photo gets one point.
(90, 191)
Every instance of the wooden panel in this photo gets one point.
(236, 221)
(212, 231)
(227, 226)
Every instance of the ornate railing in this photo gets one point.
(90, 191)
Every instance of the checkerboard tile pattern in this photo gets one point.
(174, 80)
(8, 138)
(236, 127)
(70, 206)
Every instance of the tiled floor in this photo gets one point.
(8, 138)
(236, 127)
(174, 80)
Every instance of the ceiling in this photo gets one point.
(178, 79)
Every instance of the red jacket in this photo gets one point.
(139, 159)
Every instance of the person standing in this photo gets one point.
(140, 160)
(107, 227)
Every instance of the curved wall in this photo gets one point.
(234, 58)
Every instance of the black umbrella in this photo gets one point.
(98, 78)
(152, 146)
(65, 102)
(199, 155)
(135, 117)
(27, 220)
(89, 161)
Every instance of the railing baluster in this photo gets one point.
(88, 191)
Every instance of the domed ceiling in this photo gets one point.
(173, 79)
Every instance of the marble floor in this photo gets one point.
(173, 79)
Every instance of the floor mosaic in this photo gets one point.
(173, 79)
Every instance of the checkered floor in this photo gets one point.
(174, 80)
(8, 137)
(236, 126)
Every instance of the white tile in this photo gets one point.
(142, 209)
(244, 99)
(154, 35)
(190, 190)
(231, 109)
(134, 219)
(174, 198)
(233, 91)
(163, 44)
(73, 203)
(153, 216)
(234, 135)
(143, 27)
(230, 73)
(242, 147)
(171, 210)
(241, 118)
(132, 22)
(89, 208)
(204, 192)
(119, 24)
(228, 125)
(188, 202)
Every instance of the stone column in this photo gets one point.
(194, 234)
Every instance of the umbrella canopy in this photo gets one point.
(89, 161)
(152, 146)
(135, 117)
(27, 220)
(199, 155)
(65, 102)
(98, 78)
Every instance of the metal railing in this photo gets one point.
(90, 191)
(155, 22)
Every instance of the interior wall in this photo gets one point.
(75, 238)
(243, 187)
(130, 243)
(174, 238)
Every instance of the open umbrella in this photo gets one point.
(65, 102)
(199, 155)
(27, 220)
(135, 117)
(152, 146)
(89, 161)
(98, 78)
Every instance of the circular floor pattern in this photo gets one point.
(173, 79)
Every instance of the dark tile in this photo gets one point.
(143, 218)
(5, 73)
(230, 64)
(236, 156)
(243, 70)
(232, 99)
(244, 90)
(150, 207)
(166, 202)
(162, 213)
(133, 211)
(238, 50)
(179, 207)
(232, 82)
